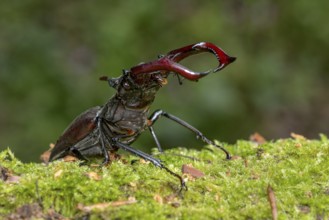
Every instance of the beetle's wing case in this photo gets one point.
(78, 130)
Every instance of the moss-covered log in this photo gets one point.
(295, 171)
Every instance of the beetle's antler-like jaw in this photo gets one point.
(170, 61)
(221, 56)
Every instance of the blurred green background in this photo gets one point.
(53, 52)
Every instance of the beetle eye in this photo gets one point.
(126, 85)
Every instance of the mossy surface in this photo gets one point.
(296, 169)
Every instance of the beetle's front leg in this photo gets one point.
(158, 113)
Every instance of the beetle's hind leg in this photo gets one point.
(158, 113)
(104, 150)
(79, 155)
(84, 150)
(102, 126)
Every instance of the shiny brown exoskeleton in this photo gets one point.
(126, 115)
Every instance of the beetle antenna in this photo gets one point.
(180, 81)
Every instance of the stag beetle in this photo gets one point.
(125, 116)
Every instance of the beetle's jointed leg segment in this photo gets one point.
(148, 157)
(158, 113)
(102, 136)
(155, 138)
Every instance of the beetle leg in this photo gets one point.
(155, 138)
(105, 153)
(78, 151)
(153, 160)
(78, 154)
(102, 137)
(156, 115)
(147, 157)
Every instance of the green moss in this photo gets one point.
(296, 169)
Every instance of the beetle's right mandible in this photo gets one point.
(169, 62)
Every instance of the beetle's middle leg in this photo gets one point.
(158, 113)
(148, 157)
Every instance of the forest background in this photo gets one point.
(53, 52)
